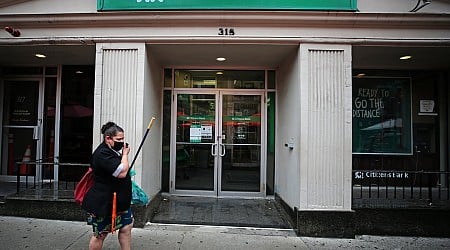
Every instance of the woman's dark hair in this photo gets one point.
(110, 129)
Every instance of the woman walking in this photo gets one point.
(110, 167)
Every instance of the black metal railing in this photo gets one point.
(30, 181)
(395, 188)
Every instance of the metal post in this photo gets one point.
(55, 178)
(18, 176)
(430, 193)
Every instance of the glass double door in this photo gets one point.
(21, 126)
(218, 144)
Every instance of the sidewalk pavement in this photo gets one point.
(31, 233)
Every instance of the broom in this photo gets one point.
(114, 212)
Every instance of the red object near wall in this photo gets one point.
(26, 158)
(83, 186)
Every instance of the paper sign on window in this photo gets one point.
(195, 133)
(426, 106)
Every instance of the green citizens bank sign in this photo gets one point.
(103, 5)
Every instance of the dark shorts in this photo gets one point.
(102, 225)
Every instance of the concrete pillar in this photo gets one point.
(118, 96)
(325, 141)
(325, 127)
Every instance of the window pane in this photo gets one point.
(20, 103)
(241, 79)
(166, 140)
(77, 114)
(384, 166)
(227, 79)
(270, 143)
(194, 139)
(271, 79)
(48, 147)
(51, 71)
(382, 115)
(168, 78)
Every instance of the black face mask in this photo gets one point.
(117, 145)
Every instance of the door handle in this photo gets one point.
(213, 149)
(222, 154)
(36, 133)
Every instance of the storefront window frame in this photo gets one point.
(410, 118)
(267, 88)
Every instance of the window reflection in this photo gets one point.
(226, 79)
(396, 125)
(76, 116)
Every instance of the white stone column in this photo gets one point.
(325, 127)
(119, 81)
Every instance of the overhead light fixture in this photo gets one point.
(219, 73)
(40, 55)
(405, 57)
(79, 72)
(360, 75)
(221, 59)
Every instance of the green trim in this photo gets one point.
(349, 5)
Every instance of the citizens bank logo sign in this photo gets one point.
(375, 174)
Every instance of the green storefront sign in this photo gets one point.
(103, 5)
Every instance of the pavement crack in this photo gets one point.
(183, 235)
(77, 239)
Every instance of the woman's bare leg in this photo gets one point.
(125, 237)
(97, 243)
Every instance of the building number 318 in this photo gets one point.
(226, 32)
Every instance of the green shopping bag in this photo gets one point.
(139, 197)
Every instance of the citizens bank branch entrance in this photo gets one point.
(218, 131)
(319, 89)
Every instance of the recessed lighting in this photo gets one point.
(40, 55)
(405, 57)
(219, 73)
(360, 75)
(78, 72)
(221, 59)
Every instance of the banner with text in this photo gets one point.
(382, 115)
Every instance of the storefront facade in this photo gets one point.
(299, 101)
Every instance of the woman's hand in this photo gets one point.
(126, 164)
(126, 149)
